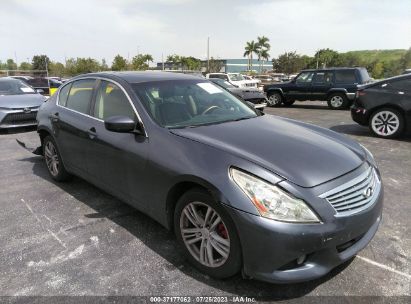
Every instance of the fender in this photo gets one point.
(280, 90)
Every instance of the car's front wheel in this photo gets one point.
(275, 99)
(387, 123)
(337, 101)
(207, 234)
(53, 160)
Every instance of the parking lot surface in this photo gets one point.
(74, 239)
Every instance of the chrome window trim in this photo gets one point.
(108, 80)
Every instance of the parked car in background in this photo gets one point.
(235, 78)
(19, 103)
(22, 77)
(335, 85)
(45, 84)
(252, 95)
(277, 199)
(265, 79)
(384, 106)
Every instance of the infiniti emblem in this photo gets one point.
(26, 110)
(367, 192)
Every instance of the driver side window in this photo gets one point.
(111, 101)
(305, 77)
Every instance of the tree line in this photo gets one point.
(380, 64)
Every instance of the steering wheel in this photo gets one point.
(210, 109)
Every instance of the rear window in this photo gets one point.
(80, 95)
(365, 78)
(345, 76)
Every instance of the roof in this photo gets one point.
(146, 76)
(333, 69)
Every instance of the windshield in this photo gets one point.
(14, 87)
(190, 103)
(236, 77)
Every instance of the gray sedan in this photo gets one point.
(19, 103)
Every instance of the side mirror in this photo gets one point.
(122, 124)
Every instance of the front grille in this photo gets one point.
(356, 195)
(20, 118)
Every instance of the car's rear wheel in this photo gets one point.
(387, 123)
(207, 234)
(337, 101)
(275, 99)
(53, 160)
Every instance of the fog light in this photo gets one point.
(301, 259)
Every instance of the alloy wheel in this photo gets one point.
(385, 123)
(274, 100)
(52, 158)
(205, 234)
(336, 101)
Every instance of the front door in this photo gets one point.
(302, 87)
(116, 161)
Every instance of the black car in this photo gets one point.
(43, 84)
(277, 199)
(336, 85)
(384, 106)
(252, 95)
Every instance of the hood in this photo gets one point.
(21, 101)
(303, 154)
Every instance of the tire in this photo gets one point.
(288, 103)
(337, 101)
(275, 99)
(386, 123)
(53, 160)
(220, 265)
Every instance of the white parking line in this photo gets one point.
(384, 267)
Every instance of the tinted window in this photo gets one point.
(323, 78)
(402, 85)
(345, 76)
(63, 94)
(305, 77)
(111, 101)
(80, 95)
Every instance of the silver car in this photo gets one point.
(19, 103)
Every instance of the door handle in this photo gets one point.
(54, 117)
(92, 133)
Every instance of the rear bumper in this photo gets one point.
(271, 249)
(359, 115)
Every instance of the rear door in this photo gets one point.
(71, 122)
(321, 84)
(116, 161)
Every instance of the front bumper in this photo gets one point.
(280, 252)
(18, 118)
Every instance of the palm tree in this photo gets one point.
(264, 56)
(263, 46)
(250, 48)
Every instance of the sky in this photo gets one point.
(104, 28)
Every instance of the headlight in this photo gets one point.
(272, 202)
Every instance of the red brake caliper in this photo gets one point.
(222, 231)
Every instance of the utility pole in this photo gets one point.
(208, 54)
(318, 57)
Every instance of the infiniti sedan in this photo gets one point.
(18, 103)
(274, 198)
